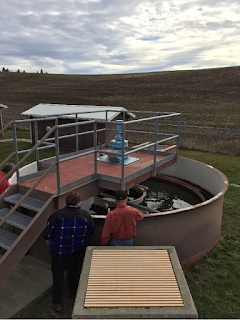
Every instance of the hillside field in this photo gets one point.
(209, 97)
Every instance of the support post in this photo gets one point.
(155, 146)
(76, 131)
(122, 158)
(57, 158)
(15, 148)
(36, 141)
(178, 134)
(95, 148)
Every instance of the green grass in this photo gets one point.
(20, 134)
(8, 149)
(214, 281)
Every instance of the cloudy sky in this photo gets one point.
(118, 36)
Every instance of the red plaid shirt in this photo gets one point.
(120, 224)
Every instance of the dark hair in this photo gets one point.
(8, 167)
(73, 198)
(120, 195)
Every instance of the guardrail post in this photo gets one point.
(57, 158)
(122, 158)
(155, 147)
(15, 148)
(106, 129)
(76, 131)
(95, 148)
(36, 141)
(178, 134)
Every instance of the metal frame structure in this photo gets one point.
(47, 142)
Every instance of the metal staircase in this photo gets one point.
(27, 223)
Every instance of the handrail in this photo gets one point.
(7, 126)
(56, 139)
(27, 194)
(27, 155)
(9, 157)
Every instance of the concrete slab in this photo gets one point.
(187, 311)
(29, 280)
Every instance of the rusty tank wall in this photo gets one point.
(193, 231)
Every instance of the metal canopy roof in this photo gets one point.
(69, 111)
(3, 106)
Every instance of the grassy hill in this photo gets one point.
(208, 97)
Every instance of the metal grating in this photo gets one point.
(17, 219)
(29, 203)
(6, 239)
(132, 278)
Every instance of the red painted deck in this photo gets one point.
(81, 167)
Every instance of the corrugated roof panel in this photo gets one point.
(45, 109)
(3, 106)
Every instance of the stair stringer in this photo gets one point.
(26, 239)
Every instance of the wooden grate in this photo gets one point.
(132, 278)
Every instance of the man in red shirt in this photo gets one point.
(120, 224)
(3, 186)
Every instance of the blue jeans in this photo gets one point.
(116, 242)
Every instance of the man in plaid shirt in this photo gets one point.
(65, 234)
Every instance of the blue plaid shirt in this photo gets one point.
(68, 232)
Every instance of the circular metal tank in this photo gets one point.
(193, 231)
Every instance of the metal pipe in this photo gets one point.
(57, 158)
(36, 119)
(106, 128)
(40, 148)
(78, 124)
(36, 139)
(155, 147)
(15, 148)
(76, 130)
(122, 158)
(178, 134)
(150, 145)
(95, 148)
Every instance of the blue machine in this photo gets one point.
(116, 144)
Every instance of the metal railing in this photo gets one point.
(53, 142)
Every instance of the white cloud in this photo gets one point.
(107, 36)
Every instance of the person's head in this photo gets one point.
(8, 167)
(121, 197)
(73, 198)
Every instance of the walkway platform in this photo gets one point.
(133, 282)
(28, 281)
(108, 174)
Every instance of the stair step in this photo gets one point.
(6, 239)
(16, 219)
(29, 203)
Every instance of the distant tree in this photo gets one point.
(18, 70)
(23, 71)
(3, 69)
(41, 70)
(7, 70)
(37, 71)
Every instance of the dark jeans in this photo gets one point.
(58, 268)
(117, 242)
